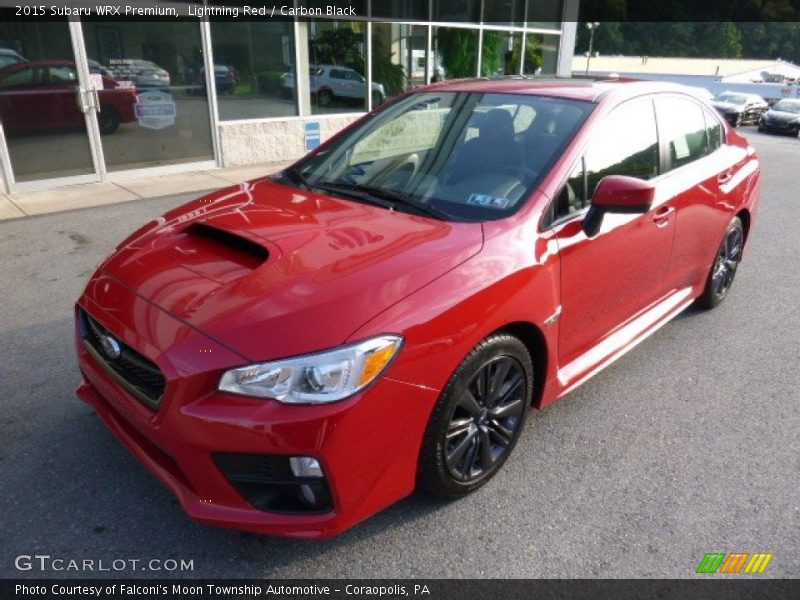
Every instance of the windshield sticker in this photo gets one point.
(488, 201)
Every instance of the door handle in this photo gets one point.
(662, 215)
(725, 176)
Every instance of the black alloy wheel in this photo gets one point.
(729, 255)
(325, 97)
(478, 418)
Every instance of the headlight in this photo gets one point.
(315, 378)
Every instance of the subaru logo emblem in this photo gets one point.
(110, 346)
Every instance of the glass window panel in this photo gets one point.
(504, 11)
(336, 53)
(471, 155)
(398, 59)
(501, 53)
(44, 125)
(253, 69)
(683, 128)
(163, 61)
(714, 130)
(456, 11)
(541, 54)
(572, 197)
(545, 14)
(626, 143)
(455, 53)
(416, 10)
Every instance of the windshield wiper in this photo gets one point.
(353, 191)
(375, 193)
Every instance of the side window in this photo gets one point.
(683, 129)
(61, 75)
(20, 78)
(713, 130)
(625, 143)
(572, 196)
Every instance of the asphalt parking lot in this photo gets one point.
(687, 445)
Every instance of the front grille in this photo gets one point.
(138, 375)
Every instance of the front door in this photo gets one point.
(610, 278)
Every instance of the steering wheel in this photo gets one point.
(520, 172)
(398, 172)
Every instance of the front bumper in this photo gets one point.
(367, 445)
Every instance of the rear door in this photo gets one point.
(702, 176)
(608, 279)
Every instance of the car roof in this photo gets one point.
(587, 90)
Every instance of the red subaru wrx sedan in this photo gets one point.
(293, 354)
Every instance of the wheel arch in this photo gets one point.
(744, 217)
(536, 343)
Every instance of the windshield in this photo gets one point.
(787, 106)
(453, 155)
(732, 98)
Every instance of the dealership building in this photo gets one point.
(90, 99)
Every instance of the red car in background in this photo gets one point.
(292, 354)
(42, 96)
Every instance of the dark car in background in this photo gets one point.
(740, 109)
(783, 117)
(40, 96)
(226, 78)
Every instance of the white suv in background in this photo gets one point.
(329, 82)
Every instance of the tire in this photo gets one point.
(720, 277)
(737, 121)
(108, 119)
(463, 447)
(378, 99)
(325, 98)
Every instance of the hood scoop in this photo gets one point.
(228, 245)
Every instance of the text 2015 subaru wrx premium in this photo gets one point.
(295, 353)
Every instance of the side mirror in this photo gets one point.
(617, 194)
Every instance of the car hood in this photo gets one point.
(273, 271)
(779, 116)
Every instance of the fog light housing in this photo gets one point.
(281, 484)
(306, 467)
